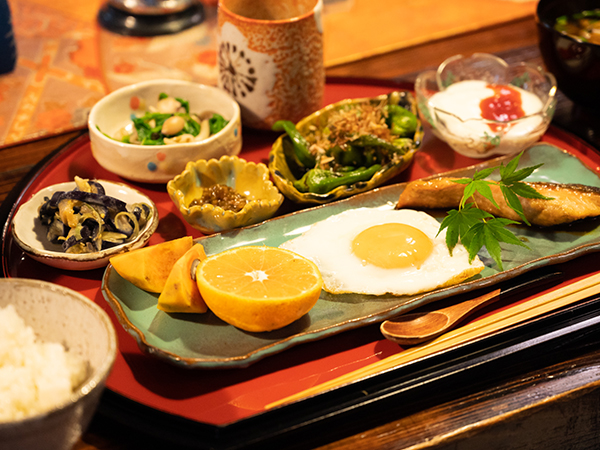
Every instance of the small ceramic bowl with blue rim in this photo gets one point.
(128, 141)
(222, 194)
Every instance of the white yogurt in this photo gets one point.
(458, 118)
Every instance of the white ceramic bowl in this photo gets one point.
(30, 234)
(477, 137)
(61, 315)
(158, 164)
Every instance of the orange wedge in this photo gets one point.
(259, 288)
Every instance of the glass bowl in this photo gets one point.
(519, 104)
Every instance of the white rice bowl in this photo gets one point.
(35, 376)
(75, 333)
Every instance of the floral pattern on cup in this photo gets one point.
(237, 72)
(273, 68)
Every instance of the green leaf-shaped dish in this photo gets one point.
(285, 170)
(204, 341)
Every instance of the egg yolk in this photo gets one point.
(392, 246)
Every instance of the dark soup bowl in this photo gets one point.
(574, 62)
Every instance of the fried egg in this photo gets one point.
(383, 251)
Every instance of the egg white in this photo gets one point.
(328, 244)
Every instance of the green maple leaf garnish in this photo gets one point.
(476, 228)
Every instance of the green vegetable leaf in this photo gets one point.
(462, 181)
(496, 232)
(518, 175)
(510, 167)
(476, 228)
(216, 123)
(473, 239)
(480, 186)
(483, 173)
(513, 201)
(502, 234)
(509, 173)
(191, 126)
(458, 223)
(526, 191)
(184, 103)
(489, 234)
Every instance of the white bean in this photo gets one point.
(168, 105)
(173, 125)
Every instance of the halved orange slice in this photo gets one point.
(259, 288)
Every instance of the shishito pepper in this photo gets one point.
(348, 156)
(301, 145)
(401, 121)
(322, 181)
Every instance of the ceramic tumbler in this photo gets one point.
(270, 57)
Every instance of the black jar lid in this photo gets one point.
(150, 17)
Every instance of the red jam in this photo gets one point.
(503, 106)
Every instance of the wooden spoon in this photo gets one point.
(418, 327)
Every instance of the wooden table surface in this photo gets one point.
(552, 407)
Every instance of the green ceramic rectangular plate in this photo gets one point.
(204, 341)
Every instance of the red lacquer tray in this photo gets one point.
(225, 396)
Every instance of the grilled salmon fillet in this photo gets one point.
(570, 202)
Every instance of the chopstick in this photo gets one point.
(534, 307)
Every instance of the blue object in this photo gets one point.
(8, 49)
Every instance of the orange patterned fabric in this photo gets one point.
(66, 63)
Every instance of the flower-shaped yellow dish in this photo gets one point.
(229, 177)
(288, 172)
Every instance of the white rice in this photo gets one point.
(35, 376)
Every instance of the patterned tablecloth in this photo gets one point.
(67, 62)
